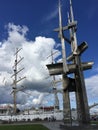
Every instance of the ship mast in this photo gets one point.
(16, 80)
(56, 104)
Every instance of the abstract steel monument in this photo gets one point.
(76, 67)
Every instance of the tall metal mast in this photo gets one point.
(66, 100)
(73, 29)
(65, 67)
(81, 96)
(16, 80)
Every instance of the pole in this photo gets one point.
(81, 96)
(16, 72)
(73, 32)
(15, 84)
(66, 100)
(65, 67)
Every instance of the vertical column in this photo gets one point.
(66, 101)
(81, 96)
(65, 67)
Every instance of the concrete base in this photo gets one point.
(82, 127)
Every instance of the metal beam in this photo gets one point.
(81, 48)
(70, 25)
(56, 69)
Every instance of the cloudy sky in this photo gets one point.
(29, 25)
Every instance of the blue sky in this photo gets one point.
(41, 18)
(34, 18)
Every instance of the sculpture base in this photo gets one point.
(82, 127)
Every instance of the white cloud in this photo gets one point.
(92, 88)
(94, 110)
(92, 92)
(51, 15)
(0, 43)
(38, 100)
(35, 59)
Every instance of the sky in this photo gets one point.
(29, 25)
